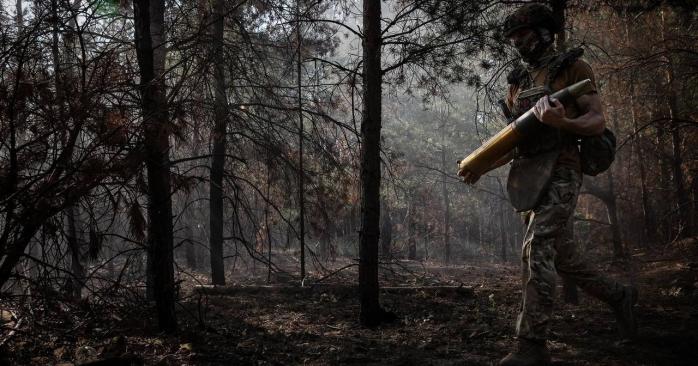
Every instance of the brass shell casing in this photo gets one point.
(481, 160)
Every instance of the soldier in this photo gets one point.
(545, 178)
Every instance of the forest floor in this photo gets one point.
(252, 324)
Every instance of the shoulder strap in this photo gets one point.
(560, 63)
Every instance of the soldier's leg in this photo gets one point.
(546, 224)
(571, 264)
(620, 298)
(524, 251)
(538, 286)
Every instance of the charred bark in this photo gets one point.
(218, 136)
(301, 172)
(386, 232)
(150, 51)
(371, 312)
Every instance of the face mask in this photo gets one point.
(533, 45)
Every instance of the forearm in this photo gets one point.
(589, 124)
(592, 122)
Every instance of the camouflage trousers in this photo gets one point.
(548, 249)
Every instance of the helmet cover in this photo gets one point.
(531, 16)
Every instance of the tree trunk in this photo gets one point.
(447, 208)
(289, 237)
(611, 204)
(502, 232)
(149, 276)
(569, 291)
(648, 215)
(682, 199)
(76, 268)
(386, 232)
(371, 312)
(218, 136)
(11, 247)
(664, 225)
(20, 13)
(150, 51)
(266, 219)
(694, 206)
(411, 234)
(607, 196)
(190, 248)
(559, 7)
(301, 173)
(516, 240)
(480, 229)
(618, 252)
(326, 250)
(427, 238)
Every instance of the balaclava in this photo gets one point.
(533, 47)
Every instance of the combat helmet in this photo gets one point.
(530, 16)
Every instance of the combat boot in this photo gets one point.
(528, 353)
(624, 310)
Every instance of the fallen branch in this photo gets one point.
(335, 272)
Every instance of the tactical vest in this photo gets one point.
(535, 157)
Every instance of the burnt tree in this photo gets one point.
(150, 51)
(371, 312)
(218, 137)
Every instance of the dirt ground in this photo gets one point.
(252, 324)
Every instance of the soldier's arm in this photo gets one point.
(591, 122)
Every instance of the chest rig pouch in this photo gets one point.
(534, 157)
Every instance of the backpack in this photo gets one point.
(596, 152)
